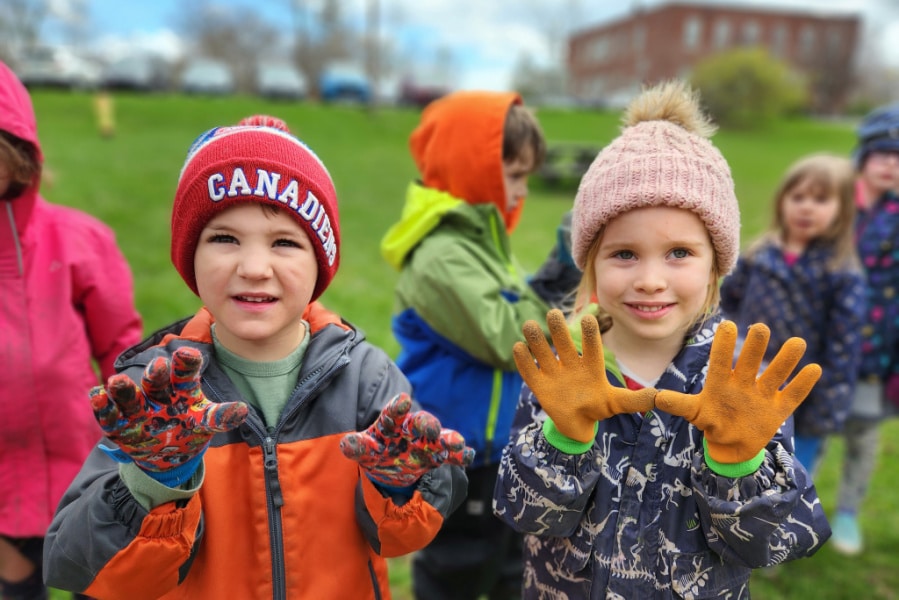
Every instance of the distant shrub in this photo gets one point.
(747, 86)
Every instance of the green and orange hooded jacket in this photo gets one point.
(461, 296)
(280, 512)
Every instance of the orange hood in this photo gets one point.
(458, 148)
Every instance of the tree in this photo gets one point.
(236, 36)
(747, 86)
(331, 40)
(20, 23)
(73, 20)
(537, 83)
(877, 79)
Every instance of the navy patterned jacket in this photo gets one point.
(824, 307)
(640, 515)
(877, 233)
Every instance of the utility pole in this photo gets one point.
(298, 14)
(373, 46)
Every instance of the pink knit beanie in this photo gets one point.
(227, 166)
(662, 157)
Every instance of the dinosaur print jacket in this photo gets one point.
(640, 514)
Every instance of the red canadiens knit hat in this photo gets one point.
(227, 166)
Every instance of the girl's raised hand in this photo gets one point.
(573, 388)
(738, 410)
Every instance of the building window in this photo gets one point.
(807, 41)
(722, 34)
(692, 32)
(616, 45)
(834, 41)
(751, 32)
(599, 50)
(779, 40)
(639, 38)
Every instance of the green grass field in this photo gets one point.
(128, 182)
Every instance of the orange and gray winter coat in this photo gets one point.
(66, 299)
(281, 512)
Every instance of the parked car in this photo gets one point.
(207, 76)
(344, 82)
(138, 73)
(420, 91)
(57, 67)
(280, 81)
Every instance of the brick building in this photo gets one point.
(609, 63)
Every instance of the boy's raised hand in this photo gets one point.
(573, 389)
(165, 421)
(402, 445)
(738, 411)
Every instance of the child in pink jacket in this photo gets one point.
(66, 299)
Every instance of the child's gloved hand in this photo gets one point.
(166, 421)
(573, 389)
(738, 412)
(401, 446)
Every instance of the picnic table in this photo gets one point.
(566, 162)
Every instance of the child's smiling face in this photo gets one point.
(256, 271)
(654, 272)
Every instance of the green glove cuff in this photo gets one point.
(733, 470)
(560, 441)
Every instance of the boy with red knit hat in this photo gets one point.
(224, 472)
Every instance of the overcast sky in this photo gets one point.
(482, 38)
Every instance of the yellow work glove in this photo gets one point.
(738, 412)
(573, 389)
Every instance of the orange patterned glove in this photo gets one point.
(402, 445)
(573, 389)
(165, 424)
(737, 411)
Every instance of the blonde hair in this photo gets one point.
(828, 174)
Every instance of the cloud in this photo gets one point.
(888, 43)
(476, 42)
(68, 11)
(486, 39)
(163, 43)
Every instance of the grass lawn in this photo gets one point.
(128, 181)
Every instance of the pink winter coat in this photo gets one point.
(66, 297)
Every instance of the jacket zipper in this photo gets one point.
(15, 237)
(273, 492)
(496, 393)
(274, 500)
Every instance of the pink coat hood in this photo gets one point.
(66, 299)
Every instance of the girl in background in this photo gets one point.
(877, 239)
(66, 303)
(802, 279)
